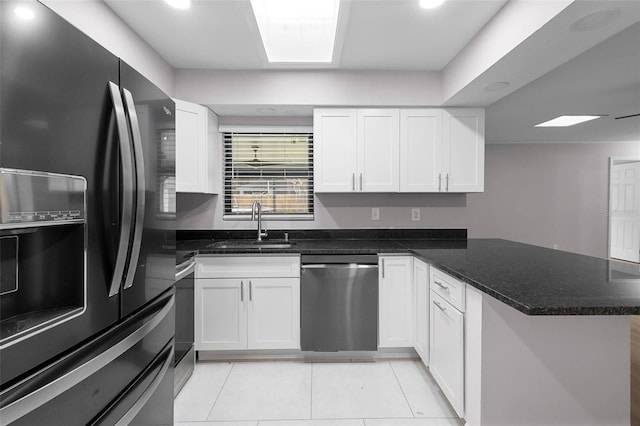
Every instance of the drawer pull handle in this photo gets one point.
(442, 308)
(442, 286)
(242, 291)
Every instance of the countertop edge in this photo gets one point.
(402, 250)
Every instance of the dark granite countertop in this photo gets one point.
(531, 279)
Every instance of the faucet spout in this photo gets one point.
(256, 209)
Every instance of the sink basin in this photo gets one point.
(252, 244)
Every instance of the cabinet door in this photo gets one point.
(421, 288)
(420, 150)
(334, 135)
(447, 351)
(396, 301)
(463, 135)
(274, 313)
(197, 139)
(378, 150)
(221, 314)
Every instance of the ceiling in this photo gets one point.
(223, 34)
(553, 71)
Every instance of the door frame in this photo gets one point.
(614, 161)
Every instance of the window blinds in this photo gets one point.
(273, 168)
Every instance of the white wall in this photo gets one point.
(318, 88)
(96, 20)
(543, 194)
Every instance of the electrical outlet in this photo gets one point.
(375, 213)
(415, 215)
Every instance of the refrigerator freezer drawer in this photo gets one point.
(111, 377)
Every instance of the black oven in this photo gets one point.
(184, 352)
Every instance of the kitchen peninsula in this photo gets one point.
(546, 332)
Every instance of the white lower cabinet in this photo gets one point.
(247, 311)
(221, 314)
(446, 339)
(274, 313)
(396, 321)
(421, 289)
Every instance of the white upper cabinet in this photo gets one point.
(197, 142)
(356, 150)
(463, 150)
(378, 133)
(335, 150)
(399, 150)
(420, 150)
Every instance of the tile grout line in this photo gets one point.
(311, 395)
(402, 390)
(233, 364)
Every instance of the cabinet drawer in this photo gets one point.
(447, 287)
(263, 266)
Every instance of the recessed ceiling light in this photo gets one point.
(430, 4)
(296, 31)
(567, 120)
(24, 12)
(595, 20)
(179, 4)
(498, 85)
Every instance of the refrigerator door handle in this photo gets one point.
(127, 190)
(148, 393)
(140, 187)
(22, 405)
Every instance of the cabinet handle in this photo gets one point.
(250, 291)
(439, 182)
(382, 268)
(353, 181)
(442, 308)
(442, 286)
(447, 178)
(242, 291)
(360, 181)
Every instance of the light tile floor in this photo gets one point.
(293, 393)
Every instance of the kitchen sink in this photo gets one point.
(252, 244)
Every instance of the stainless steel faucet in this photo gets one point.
(257, 207)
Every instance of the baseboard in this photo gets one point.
(306, 356)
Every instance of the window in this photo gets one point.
(273, 168)
(167, 174)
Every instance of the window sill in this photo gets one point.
(269, 217)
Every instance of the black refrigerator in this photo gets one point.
(87, 230)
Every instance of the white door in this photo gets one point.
(274, 313)
(463, 150)
(220, 314)
(420, 150)
(378, 150)
(625, 211)
(447, 350)
(421, 288)
(190, 140)
(334, 141)
(396, 302)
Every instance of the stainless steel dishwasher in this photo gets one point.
(339, 303)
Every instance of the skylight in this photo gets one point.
(567, 120)
(297, 31)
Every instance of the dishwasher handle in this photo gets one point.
(338, 266)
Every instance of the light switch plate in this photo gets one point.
(375, 213)
(415, 214)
